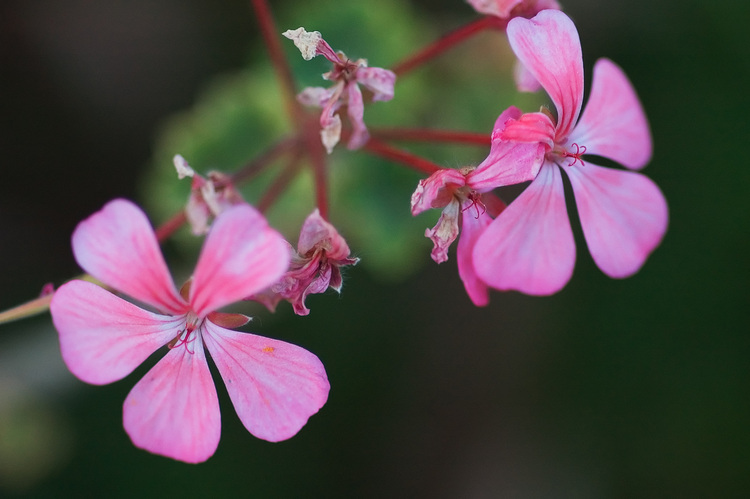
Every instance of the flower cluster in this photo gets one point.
(526, 245)
(529, 247)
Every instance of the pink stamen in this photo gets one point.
(177, 341)
(476, 203)
(580, 151)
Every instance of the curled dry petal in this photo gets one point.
(173, 410)
(315, 267)
(437, 190)
(315, 96)
(306, 42)
(182, 167)
(356, 112)
(379, 81)
(445, 231)
(275, 386)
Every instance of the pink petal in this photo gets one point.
(474, 221)
(379, 81)
(498, 8)
(508, 163)
(530, 128)
(174, 411)
(103, 337)
(525, 81)
(437, 190)
(275, 386)
(549, 47)
(356, 112)
(315, 96)
(623, 215)
(118, 246)
(614, 124)
(529, 247)
(242, 255)
(317, 233)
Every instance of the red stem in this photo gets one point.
(281, 182)
(378, 148)
(170, 226)
(446, 42)
(426, 135)
(257, 165)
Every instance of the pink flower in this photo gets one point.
(208, 197)
(462, 205)
(505, 10)
(174, 410)
(316, 266)
(347, 76)
(530, 246)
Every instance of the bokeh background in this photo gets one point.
(632, 388)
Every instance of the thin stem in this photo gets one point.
(170, 226)
(271, 38)
(257, 165)
(445, 42)
(28, 309)
(378, 148)
(427, 135)
(281, 182)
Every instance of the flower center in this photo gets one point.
(580, 151)
(185, 337)
(475, 201)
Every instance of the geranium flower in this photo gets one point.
(504, 10)
(347, 75)
(174, 410)
(316, 266)
(530, 247)
(465, 211)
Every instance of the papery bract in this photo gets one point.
(173, 410)
(316, 266)
(623, 214)
(347, 75)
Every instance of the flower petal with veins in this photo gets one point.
(173, 410)
(529, 247)
(241, 256)
(118, 246)
(623, 216)
(275, 386)
(103, 337)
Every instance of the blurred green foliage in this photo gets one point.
(609, 389)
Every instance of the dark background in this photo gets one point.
(633, 388)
